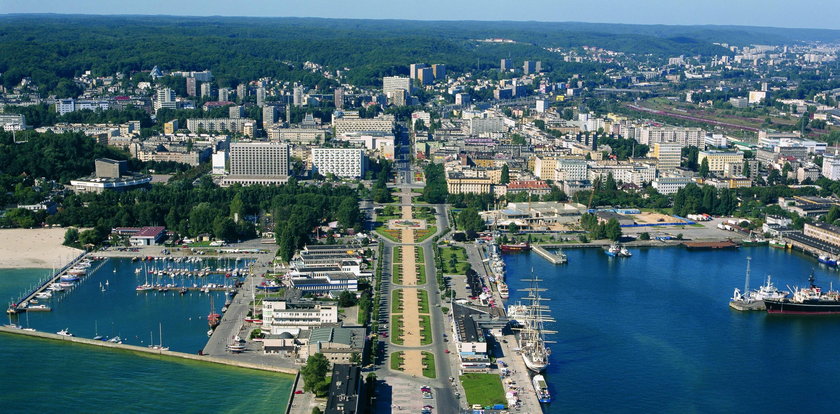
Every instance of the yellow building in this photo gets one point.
(459, 184)
(544, 167)
(719, 159)
(668, 156)
(170, 127)
(739, 182)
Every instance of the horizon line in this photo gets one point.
(33, 14)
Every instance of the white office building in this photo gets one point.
(259, 159)
(391, 83)
(570, 169)
(341, 162)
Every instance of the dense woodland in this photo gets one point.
(53, 49)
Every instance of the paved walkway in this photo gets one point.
(413, 359)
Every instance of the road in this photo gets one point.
(399, 389)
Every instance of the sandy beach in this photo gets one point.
(34, 248)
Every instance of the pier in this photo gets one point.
(22, 305)
(551, 257)
(150, 351)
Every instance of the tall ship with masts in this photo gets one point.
(532, 342)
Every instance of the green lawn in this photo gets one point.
(397, 254)
(421, 235)
(429, 365)
(421, 274)
(454, 260)
(423, 300)
(425, 330)
(396, 329)
(388, 234)
(483, 389)
(396, 271)
(397, 359)
(419, 256)
(397, 301)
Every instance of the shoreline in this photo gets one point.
(34, 249)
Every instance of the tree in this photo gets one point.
(225, 229)
(644, 236)
(613, 230)
(89, 236)
(513, 228)
(471, 222)
(346, 299)
(314, 373)
(348, 213)
(419, 125)
(237, 208)
(355, 358)
(746, 169)
(71, 237)
(505, 179)
(704, 168)
(831, 217)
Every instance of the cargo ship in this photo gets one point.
(515, 248)
(808, 301)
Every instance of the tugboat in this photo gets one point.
(809, 301)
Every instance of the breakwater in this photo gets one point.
(133, 348)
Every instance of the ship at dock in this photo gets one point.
(515, 248)
(531, 336)
(753, 300)
(808, 301)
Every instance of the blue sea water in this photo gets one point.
(39, 375)
(654, 333)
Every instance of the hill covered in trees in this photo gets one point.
(53, 48)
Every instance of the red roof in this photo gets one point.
(150, 231)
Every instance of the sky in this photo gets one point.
(776, 13)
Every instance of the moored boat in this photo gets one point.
(515, 248)
(778, 243)
(541, 387)
(808, 301)
(64, 332)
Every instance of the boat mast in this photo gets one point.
(747, 278)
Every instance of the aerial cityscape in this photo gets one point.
(359, 210)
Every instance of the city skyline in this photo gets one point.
(773, 13)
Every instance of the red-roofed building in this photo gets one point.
(142, 236)
(534, 187)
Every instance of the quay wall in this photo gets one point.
(144, 350)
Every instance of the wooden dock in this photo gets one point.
(551, 257)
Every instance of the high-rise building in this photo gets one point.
(338, 96)
(165, 98)
(529, 67)
(505, 65)
(462, 99)
(236, 112)
(259, 158)
(241, 92)
(414, 68)
(297, 97)
(260, 97)
(191, 86)
(538, 66)
(224, 94)
(439, 71)
(392, 83)
(342, 162)
(269, 114)
(668, 155)
(426, 76)
(206, 90)
(398, 97)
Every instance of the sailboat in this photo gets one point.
(213, 318)
(531, 337)
(159, 346)
(98, 337)
(253, 318)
